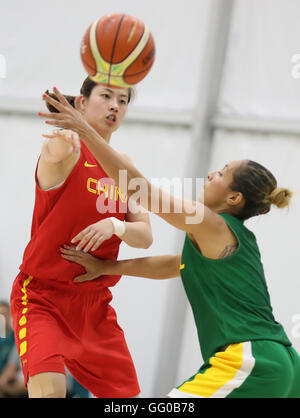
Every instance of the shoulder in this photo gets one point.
(214, 235)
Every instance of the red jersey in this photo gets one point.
(60, 214)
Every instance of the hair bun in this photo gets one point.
(280, 197)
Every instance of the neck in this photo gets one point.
(106, 137)
(217, 208)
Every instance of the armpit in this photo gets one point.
(228, 250)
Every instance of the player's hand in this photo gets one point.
(94, 267)
(67, 136)
(94, 235)
(67, 117)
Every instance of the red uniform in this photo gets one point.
(57, 322)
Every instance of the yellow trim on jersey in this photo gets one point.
(229, 369)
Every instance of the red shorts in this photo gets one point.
(59, 324)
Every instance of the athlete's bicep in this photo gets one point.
(51, 172)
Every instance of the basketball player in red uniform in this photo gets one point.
(57, 323)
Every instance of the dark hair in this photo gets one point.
(259, 189)
(86, 91)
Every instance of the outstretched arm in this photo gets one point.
(189, 216)
(158, 267)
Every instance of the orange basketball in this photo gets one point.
(117, 50)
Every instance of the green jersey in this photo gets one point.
(229, 297)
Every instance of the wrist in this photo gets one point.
(110, 267)
(119, 227)
(88, 133)
(84, 131)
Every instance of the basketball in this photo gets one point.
(117, 50)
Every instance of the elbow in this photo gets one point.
(147, 242)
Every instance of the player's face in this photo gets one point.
(216, 188)
(105, 109)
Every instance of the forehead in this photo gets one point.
(232, 165)
(112, 90)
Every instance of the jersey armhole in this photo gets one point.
(218, 260)
(60, 185)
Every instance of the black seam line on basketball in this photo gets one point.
(114, 46)
(119, 62)
(135, 61)
(140, 72)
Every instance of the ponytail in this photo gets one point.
(280, 197)
(259, 189)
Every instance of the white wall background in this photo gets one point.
(255, 115)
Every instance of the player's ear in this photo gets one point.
(234, 199)
(80, 103)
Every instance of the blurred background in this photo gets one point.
(225, 85)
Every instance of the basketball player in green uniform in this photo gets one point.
(246, 352)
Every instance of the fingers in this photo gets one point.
(66, 135)
(88, 238)
(72, 252)
(79, 257)
(58, 105)
(73, 258)
(81, 235)
(57, 133)
(98, 242)
(49, 135)
(84, 239)
(89, 245)
(69, 247)
(71, 255)
(61, 98)
(51, 115)
(62, 123)
(57, 119)
(83, 278)
(94, 242)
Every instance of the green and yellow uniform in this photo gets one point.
(246, 352)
